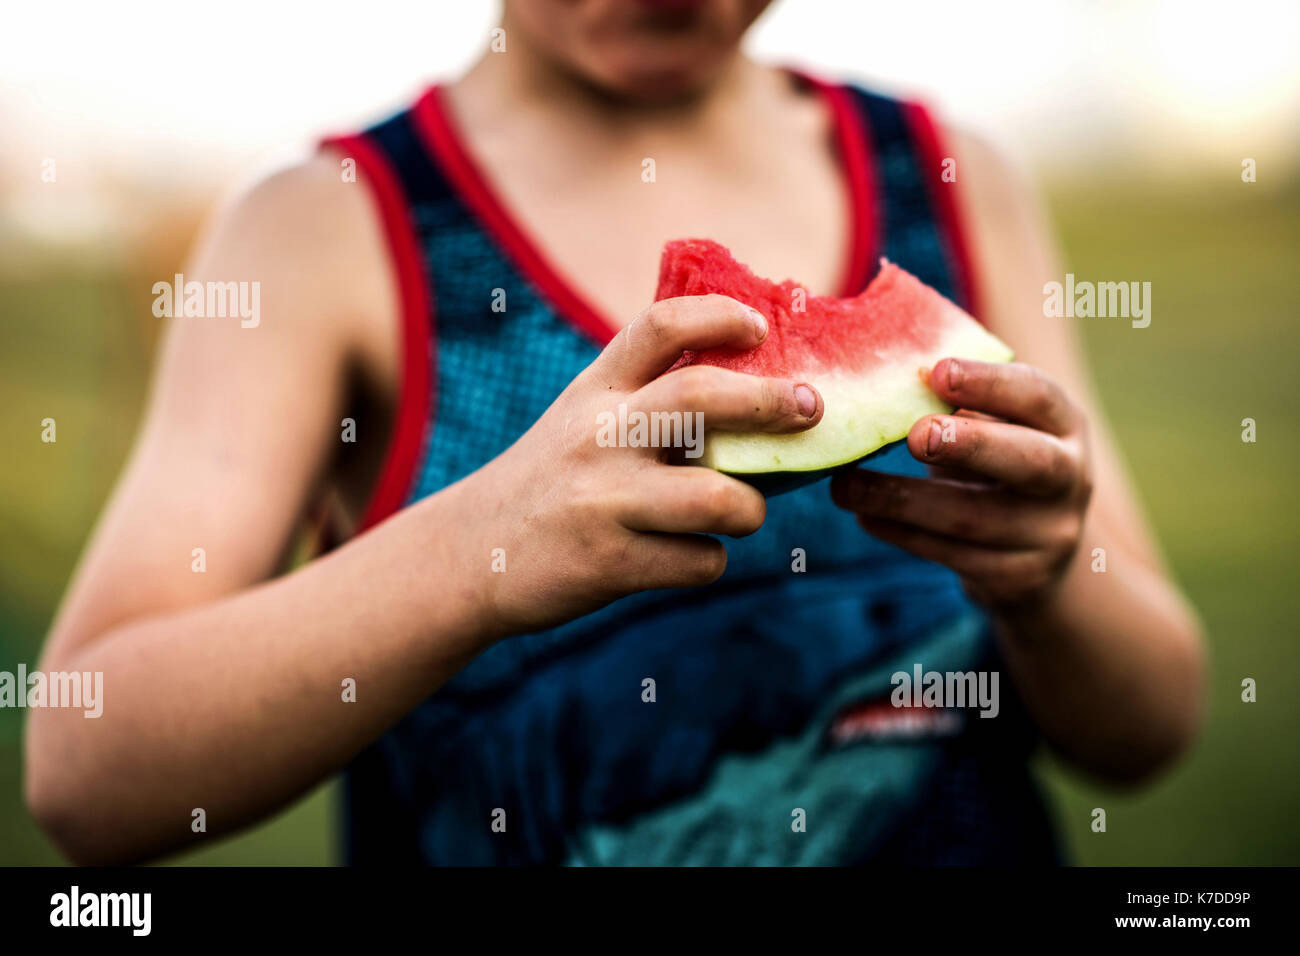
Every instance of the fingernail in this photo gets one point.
(760, 322)
(932, 443)
(806, 399)
(954, 375)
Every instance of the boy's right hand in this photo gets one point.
(581, 525)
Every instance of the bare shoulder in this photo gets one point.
(1012, 244)
(312, 238)
(997, 190)
(980, 157)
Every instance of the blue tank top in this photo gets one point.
(742, 723)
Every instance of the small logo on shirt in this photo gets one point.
(879, 720)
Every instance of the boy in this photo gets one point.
(496, 659)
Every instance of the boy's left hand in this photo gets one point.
(1005, 509)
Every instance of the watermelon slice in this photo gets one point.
(863, 354)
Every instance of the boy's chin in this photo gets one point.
(655, 85)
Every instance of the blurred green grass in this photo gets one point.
(1220, 258)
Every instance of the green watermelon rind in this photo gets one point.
(773, 483)
(861, 415)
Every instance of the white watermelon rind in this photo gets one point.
(863, 413)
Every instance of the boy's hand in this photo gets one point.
(579, 524)
(1006, 508)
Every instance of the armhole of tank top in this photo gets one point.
(947, 206)
(415, 402)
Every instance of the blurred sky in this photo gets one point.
(161, 89)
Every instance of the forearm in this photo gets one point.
(1110, 666)
(238, 706)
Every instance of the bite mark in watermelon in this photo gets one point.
(862, 353)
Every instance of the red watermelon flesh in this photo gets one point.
(862, 353)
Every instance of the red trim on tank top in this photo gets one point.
(416, 404)
(853, 143)
(925, 132)
(447, 147)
